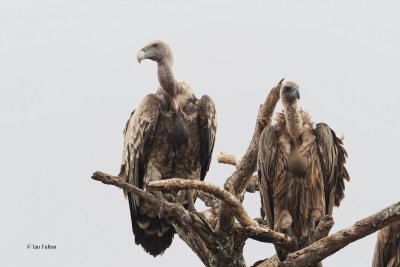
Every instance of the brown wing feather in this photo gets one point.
(270, 166)
(139, 131)
(207, 117)
(332, 158)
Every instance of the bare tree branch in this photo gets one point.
(327, 246)
(183, 222)
(237, 182)
(115, 180)
(266, 235)
(235, 205)
(227, 158)
(209, 199)
(250, 227)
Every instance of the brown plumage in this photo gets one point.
(170, 134)
(301, 170)
(387, 248)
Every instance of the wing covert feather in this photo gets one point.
(138, 132)
(207, 117)
(270, 165)
(332, 158)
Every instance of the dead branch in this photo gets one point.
(115, 180)
(227, 158)
(327, 246)
(237, 182)
(180, 184)
(209, 199)
(183, 222)
(266, 235)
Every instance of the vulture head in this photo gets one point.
(156, 50)
(290, 93)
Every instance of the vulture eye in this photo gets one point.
(156, 45)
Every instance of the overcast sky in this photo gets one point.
(69, 80)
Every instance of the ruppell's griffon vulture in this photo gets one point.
(170, 134)
(301, 170)
(387, 248)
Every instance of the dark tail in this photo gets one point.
(153, 234)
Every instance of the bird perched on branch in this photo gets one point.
(170, 134)
(301, 170)
(387, 248)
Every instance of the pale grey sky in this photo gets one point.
(69, 80)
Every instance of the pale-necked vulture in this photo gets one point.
(301, 170)
(387, 248)
(170, 134)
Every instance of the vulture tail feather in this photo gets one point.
(157, 235)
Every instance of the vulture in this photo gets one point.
(387, 248)
(301, 171)
(170, 134)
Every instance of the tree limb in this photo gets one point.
(209, 199)
(250, 227)
(266, 235)
(237, 182)
(235, 205)
(227, 158)
(183, 223)
(327, 246)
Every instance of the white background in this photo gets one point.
(69, 80)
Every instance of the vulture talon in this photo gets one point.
(293, 237)
(310, 232)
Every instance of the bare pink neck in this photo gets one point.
(167, 79)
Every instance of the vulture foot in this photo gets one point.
(305, 240)
(311, 231)
(293, 237)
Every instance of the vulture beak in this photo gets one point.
(296, 93)
(291, 93)
(141, 54)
